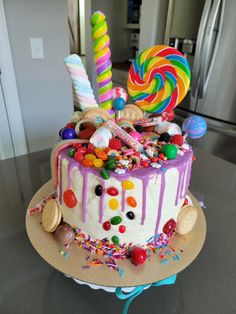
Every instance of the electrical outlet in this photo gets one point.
(37, 48)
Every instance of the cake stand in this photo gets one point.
(134, 279)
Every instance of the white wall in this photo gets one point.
(43, 85)
(153, 23)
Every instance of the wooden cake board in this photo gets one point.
(72, 265)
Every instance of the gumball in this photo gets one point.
(70, 125)
(194, 126)
(138, 256)
(136, 135)
(170, 151)
(119, 104)
(120, 92)
(68, 134)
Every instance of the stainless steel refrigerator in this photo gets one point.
(208, 38)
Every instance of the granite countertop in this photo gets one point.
(30, 285)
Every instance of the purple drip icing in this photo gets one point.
(140, 173)
(60, 178)
(84, 194)
(162, 191)
(70, 168)
(123, 200)
(101, 210)
(144, 205)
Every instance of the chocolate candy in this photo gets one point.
(98, 190)
(64, 234)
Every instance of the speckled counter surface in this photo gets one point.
(29, 285)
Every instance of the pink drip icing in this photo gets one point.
(60, 185)
(160, 203)
(101, 210)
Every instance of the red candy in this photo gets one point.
(106, 225)
(138, 256)
(169, 227)
(177, 139)
(69, 198)
(122, 229)
(70, 125)
(86, 134)
(185, 202)
(77, 145)
(82, 150)
(161, 156)
(112, 191)
(115, 143)
(79, 156)
(145, 164)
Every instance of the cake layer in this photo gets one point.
(134, 215)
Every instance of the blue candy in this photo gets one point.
(68, 134)
(119, 103)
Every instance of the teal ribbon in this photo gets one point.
(137, 291)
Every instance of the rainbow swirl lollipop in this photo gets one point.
(159, 79)
(102, 54)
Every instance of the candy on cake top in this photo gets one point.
(123, 137)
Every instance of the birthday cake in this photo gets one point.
(121, 171)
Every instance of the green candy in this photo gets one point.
(111, 164)
(170, 151)
(71, 152)
(115, 240)
(105, 174)
(116, 220)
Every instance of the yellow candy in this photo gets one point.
(98, 163)
(113, 204)
(127, 185)
(90, 157)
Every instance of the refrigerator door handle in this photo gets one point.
(200, 38)
(218, 7)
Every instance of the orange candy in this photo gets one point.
(87, 163)
(101, 154)
(131, 201)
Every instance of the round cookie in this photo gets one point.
(99, 115)
(51, 216)
(186, 219)
(131, 113)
